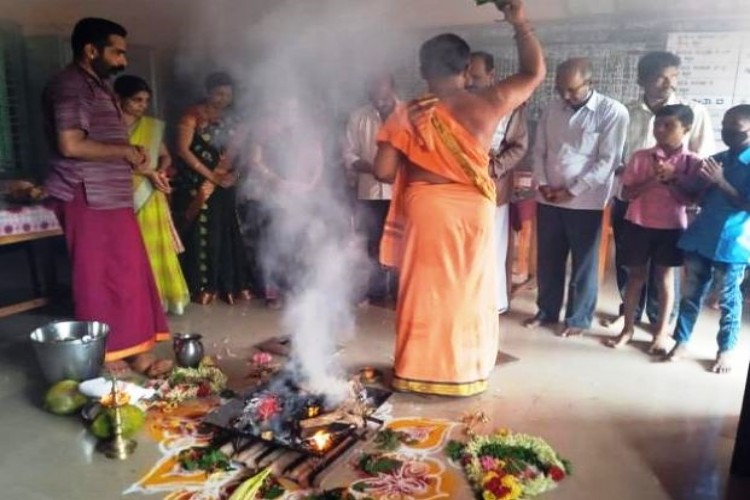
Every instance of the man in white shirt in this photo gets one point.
(509, 145)
(373, 197)
(657, 75)
(579, 143)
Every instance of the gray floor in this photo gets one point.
(634, 429)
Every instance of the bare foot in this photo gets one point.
(160, 368)
(608, 321)
(724, 362)
(142, 362)
(622, 340)
(678, 352)
(149, 365)
(119, 368)
(570, 331)
(660, 345)
(535, 322)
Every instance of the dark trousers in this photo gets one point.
(649, 301)
(370, 220)
(562, 232)
(254, 221)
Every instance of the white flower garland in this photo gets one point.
(544, 452)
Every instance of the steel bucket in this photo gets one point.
(70, 349)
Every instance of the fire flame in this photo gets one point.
(313, 411)
(321, 440)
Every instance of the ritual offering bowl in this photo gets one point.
(70, 350)
(188, 349)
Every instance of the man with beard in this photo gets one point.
(509, 145)
(91, 189)
(373, 196)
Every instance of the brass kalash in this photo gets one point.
(118, 448)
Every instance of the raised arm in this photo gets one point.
(513, 91)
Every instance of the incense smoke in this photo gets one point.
(308, 63)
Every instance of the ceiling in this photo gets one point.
(217, 22)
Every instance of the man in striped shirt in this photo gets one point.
(91, 189)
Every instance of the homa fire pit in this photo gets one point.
(289, 429)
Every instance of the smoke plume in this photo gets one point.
(312, 60)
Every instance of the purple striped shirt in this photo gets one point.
(75, 99)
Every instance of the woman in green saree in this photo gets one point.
(150, 194)
(205, 197)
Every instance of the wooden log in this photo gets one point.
(263, 461)
(246, 455)
(332, 418)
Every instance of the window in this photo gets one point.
(14, 131)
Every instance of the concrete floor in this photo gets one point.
(633, 428)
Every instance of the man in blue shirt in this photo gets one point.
(717, 244)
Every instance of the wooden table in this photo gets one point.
(24, 225)
(524, 241)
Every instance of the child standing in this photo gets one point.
(658, 183)
(717, 244)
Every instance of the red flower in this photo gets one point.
(496, 487)
(204, 390)
(556, 473)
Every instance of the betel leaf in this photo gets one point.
(390, 440)
(567, 465)
(204, 458)
(274, 491)
(378, 464)
(499, 3)
(454, 450)
(337, 494)
(510, 453)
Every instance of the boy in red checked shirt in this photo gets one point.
(659, 183)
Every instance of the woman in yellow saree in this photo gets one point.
(150, 194)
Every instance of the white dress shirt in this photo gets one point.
(499, 135)
(700, 140)
(360, 144)
(580, 150)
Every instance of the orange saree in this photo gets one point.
(441, 238)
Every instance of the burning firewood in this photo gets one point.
(335, 417)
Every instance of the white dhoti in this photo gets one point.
(502, 233)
